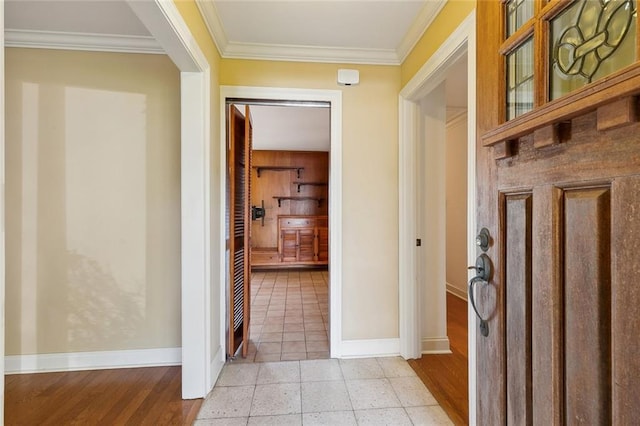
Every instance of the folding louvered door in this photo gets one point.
(239, 165)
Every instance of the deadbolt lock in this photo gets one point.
(483, 240)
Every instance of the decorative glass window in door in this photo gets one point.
(554, 47)
(590, 39)
(520, 80)
(518, 13)
(519, 58)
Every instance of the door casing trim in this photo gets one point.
(165, 23)
(334, 97)
(462, 41)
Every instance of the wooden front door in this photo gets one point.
(558, 178)
(239, 223)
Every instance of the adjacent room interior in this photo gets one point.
(289, 231)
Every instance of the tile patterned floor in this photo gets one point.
(370, 391)
(288, 378)
(289, 316)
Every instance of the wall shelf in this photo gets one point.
(260, 169)
(284, 197)
(299, 184)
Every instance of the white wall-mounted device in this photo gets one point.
(348, 77)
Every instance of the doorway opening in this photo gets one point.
(442, 203)
(425, 211)
(294, 254)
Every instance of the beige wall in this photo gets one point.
(370, 182)
(93, 201)
(456, 171)
(449, 18)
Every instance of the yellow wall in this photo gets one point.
(370, 182)
(93, 201)
(450, 17)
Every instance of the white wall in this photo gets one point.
(431, 258)
(456, 171)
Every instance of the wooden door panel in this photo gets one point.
(547, 335)
(518, 217)
(574, 160)
(239, 163)
(289, 244)
(236, 229)
(587, 306)
(306, 238)
(323, 244)
(247, 146)
(625, 299)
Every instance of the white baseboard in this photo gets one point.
(368, 348)
(74, 361)
(216, 367)
(436, 345)
(462, 294)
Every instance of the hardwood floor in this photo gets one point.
(135, 396)
(446, 376)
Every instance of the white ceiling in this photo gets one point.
(291, 128)
(345, 31)
(101, 17)
(355, 31)
(351, 31)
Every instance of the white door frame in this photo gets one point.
(334, 97)
(164, 22)
(462, 41)
(2, 228)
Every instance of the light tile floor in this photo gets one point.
(288, 378)
(289, 316)
(370, 391)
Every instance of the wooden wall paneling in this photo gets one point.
(264, 188)
(518, 308)
(547, 308)
(587, 306)
(626, 299)
(266, 239)
(316, 166)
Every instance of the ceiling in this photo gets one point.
(342, 31)
(353, 31)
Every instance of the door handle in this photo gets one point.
(483, 275)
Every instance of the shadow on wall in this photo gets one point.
(100, 311)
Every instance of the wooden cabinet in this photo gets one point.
(292, 187)
(303, 240)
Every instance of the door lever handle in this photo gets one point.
(483, 275)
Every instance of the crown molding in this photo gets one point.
(310, 54)
(424, 19)
(81, 41)
(213, 22)
(297, 53)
